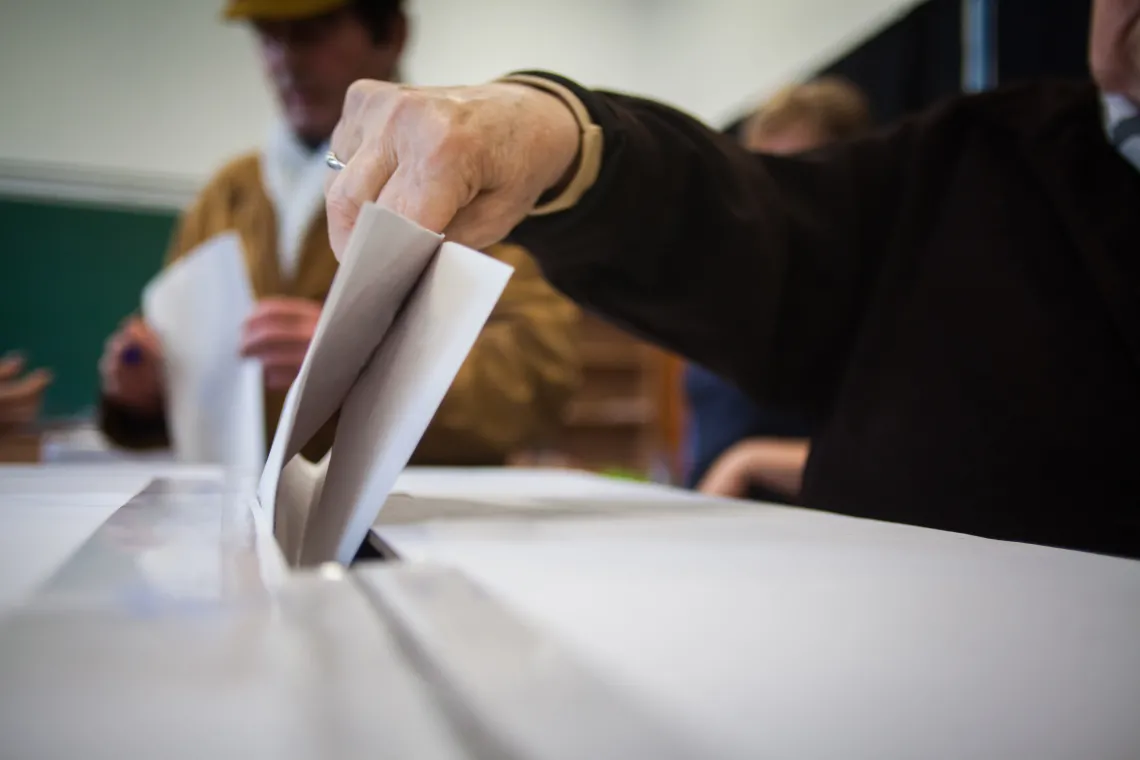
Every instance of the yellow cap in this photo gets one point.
(280, 10)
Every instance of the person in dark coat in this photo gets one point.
(954, 303)
(735, 447)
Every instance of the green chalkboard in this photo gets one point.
(69, 274)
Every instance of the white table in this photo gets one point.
(759, 631)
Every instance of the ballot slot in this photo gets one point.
(407, 522)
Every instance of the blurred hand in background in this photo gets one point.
(278, 334)
(21, 394)
(131, 368)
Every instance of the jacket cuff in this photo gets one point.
(131, 430)
(592, 116)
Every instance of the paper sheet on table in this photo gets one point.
(400, 319)
(214, 397)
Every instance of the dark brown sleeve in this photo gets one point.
(130, 430)
(756, 267)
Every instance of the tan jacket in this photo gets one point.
(509, 393)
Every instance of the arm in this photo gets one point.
(514, 385)
(775, 463)
(754, 266)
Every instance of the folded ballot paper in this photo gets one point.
(214, 397)
(402, 315)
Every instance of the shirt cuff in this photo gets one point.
(590, 148)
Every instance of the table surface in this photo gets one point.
(761, 631)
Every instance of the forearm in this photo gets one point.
(771, 463)
(777, 464)
(690, 241)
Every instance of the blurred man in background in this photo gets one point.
(525, 364)
(735, 447)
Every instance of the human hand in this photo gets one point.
(467, 161)
(20, 397)
(131, 368)
(278, 333)
(774, 462)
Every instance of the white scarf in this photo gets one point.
(295, 183)
(1122, 122)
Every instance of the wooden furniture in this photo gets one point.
(20, 448)
(626, 415)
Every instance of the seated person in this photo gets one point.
(735, 447)
(523, 367)
(20, 397)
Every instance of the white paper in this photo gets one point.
(385, 367)
(384, 257)
(214, 397)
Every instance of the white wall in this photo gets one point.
(156, 93)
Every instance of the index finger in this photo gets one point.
(26, 387)
(360, 182)
(282, 308)
(429, 201)
(138, 333)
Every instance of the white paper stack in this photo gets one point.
(214, 397)
(402, 315)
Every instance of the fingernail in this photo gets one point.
(132, 355)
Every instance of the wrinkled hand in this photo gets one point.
(131, 368)
(278, 333)
(467, 161)
(772, 462)
(20, 397)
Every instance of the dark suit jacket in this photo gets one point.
(954, 303)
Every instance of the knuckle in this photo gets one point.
(407, 104)
(359, 94)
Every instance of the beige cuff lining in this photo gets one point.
(589, 149)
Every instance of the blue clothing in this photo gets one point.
(721, 415)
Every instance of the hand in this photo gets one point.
(131, 368)
(20, 397)
(467, 161)
(773, 462)
(278, 333)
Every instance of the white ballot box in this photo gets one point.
(527, 621)
(163, 611)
